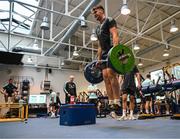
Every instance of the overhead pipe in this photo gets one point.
(26, 49)
(73, 28)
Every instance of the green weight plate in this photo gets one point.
(121, 59)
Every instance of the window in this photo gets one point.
(176, 72)
(156, 74)
(22, 16)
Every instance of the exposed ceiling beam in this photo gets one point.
(160, 3)
(153, 27)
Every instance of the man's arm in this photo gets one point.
(138, 76)
(99, 53)
(75, 90)
(120, 79)
(115, 36)
(65, 90)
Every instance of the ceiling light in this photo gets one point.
(136, 47)
(124, 9)
(45, 24)
(83, 23)
(166, 53)
(35, 45)
(62, 63)
(75, 53)
(29, 60)
(140, 63)
(173, 27)
(166, 50)
(93, 35)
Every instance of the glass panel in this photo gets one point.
(19, 18)
(156, 74)
(176, 72)
(4, 5)
(19, 8)
(4, 15)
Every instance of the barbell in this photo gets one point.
(120, 59)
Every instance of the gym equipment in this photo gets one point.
(16, 112)
(174, 85)
(120, 59)
(151, 89)
(25, 88)
(77, 114)
(92, 73)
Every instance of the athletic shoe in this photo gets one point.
(122, 118)
(53, 115)
(132, 118)
(111, 107)
(116, 107)
(113, 114)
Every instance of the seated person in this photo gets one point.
(9, 90)
(52, 99)
(148, 97)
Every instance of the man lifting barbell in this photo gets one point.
(107, 28)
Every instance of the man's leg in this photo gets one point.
(132, 105)
(147, 106)
(6, 98)
(124, 105)
(108, 87)
(114, 83)
(151, 106)
(115, 87)
(109, 93)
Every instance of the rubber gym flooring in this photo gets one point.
(104, 128)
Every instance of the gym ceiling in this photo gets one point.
(147, 25)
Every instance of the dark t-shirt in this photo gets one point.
(71, 88)
(104, 36)
(129, 80)
(9, 88)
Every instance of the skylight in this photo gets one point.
(22, 16)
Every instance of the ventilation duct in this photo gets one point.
(26, 49)
(73, 27)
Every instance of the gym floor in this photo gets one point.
(104, 128)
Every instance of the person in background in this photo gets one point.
(70, 89)
(53, 99)
(129, 87)
(9, 91)
(148, 97)
(92, 93)
(58, 103)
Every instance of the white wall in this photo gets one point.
(57, 78)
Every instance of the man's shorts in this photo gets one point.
(128, 91)
(148, 98)
(52, 104)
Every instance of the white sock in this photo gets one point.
(111, 102)
(124, 112)
(151, 111)
(131, 112)
(117, 101)
(147, 111)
